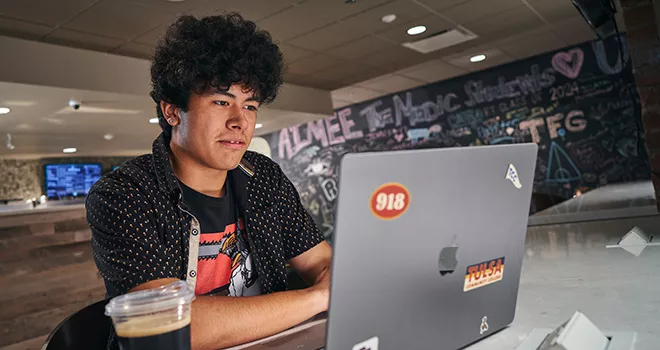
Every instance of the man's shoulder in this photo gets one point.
(260, 164)
(136, 175)
(127, 192)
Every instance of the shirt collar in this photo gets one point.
(167, 181)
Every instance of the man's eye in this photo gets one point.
(222, 103)
(251, 108)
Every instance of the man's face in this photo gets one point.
(217, 128)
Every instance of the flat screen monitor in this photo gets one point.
(70, 180)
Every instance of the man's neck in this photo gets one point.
(210, 182)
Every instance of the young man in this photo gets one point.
(201, 208)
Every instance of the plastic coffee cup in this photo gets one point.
(153, 319)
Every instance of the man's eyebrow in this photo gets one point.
(225, 93)
(230, 95)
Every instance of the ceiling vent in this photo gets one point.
(441, 40)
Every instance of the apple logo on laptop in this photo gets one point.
(447, 261)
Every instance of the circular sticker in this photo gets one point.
(389, 201)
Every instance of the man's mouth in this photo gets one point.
(234, 144)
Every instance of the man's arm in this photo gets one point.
(304, 247)
(128, 254)
(314, 267)
(226, 321)
(314, 264)
(221, 321)
(125, 240)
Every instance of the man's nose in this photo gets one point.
(237, 120)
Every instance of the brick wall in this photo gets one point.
(639, 16)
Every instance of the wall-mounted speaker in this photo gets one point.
(599, 14)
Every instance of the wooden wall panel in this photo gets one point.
(46, 272)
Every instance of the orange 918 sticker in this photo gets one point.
(389, 201)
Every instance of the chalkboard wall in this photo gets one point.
(579, 104)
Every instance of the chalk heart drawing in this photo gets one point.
(399, 137)
(568, 63)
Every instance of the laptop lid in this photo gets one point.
(428, 246)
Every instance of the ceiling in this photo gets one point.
(327, 44)
(42, 123)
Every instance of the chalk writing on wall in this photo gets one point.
(579, 104)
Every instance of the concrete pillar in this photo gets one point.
(642, 31)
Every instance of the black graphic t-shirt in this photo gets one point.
(225, 264)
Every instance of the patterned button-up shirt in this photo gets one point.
(141, 228)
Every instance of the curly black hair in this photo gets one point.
(214, 52)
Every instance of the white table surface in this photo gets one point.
(568, 269)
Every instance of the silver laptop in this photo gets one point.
(428, 248)
(431, 260)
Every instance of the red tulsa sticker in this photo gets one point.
(389, 201)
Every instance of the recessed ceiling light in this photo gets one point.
(416, 30)
(477, 58)
(258, 126)
(108, 136)
(153, 120)
(4, 110)
(70, 150)
(388, 18)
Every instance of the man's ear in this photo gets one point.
(170, 112)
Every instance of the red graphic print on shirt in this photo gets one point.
(225, 265)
